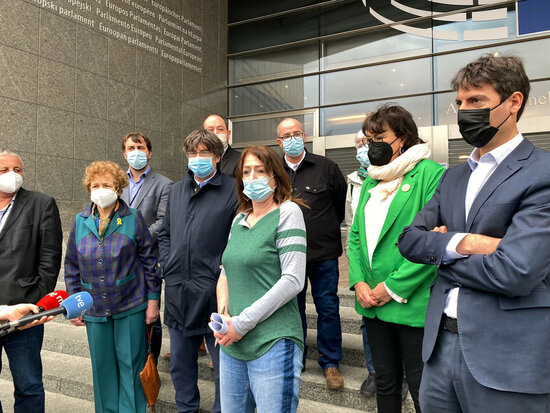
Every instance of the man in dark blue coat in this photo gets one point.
(194, 233)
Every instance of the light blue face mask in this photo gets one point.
(293, 146)
(137, 159)
(201, 167)
(257, 190)
(363, 156)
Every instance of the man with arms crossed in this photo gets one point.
(488, 320)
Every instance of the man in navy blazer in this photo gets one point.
(148, 193)
(487, 228)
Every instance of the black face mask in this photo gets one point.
(380, 153)
(475, 126)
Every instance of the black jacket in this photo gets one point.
(30, 248)
(230, 160)
(319, 182)
(191, 242)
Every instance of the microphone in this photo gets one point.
(52, 300)
(72, 307)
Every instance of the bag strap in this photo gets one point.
(149, 332)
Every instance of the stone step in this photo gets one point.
(69, 341)
(350, 321)
(55, 402)
(68, 385)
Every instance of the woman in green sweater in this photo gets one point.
(263, 270)
(391, 292)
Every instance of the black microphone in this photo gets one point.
(72, 307)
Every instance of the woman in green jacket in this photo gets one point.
(392, 293)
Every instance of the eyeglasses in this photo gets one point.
(368, 141)
(288, 136)
(201, 154)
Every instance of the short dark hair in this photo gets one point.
(396, 118)
(208, 139)
(505, 74)
(137, 137)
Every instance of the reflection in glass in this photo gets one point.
(274, 96)
(373, 47)
(341, 120)
(393, 79)
(265, 66)
(266, 129)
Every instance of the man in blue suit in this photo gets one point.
(148, 193)
(487, 228)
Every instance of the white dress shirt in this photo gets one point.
(4, 213)
(482, 169)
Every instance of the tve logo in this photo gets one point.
(495, 29)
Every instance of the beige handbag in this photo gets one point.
(149, 376)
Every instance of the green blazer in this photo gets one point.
(404, 278)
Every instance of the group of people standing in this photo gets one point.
(444, 264)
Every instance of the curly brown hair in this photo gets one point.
(108, 168)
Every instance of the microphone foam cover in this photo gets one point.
(77, 304)
(52, 300)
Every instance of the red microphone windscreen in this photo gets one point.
(52, 300)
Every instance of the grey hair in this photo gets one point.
(208, 139)
(6, 152)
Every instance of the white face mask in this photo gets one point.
(10, 182)
(223, 138)
(103, 197)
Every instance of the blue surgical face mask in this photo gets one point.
(201, 167)
(137, 159)
(293, 146)
(363, 156)
(257, 190)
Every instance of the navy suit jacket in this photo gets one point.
(504, 298)
(151, 201)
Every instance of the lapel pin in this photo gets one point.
(119, 221)
(406, 188)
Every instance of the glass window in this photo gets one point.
(537, 108)
(346, 119)
(285, 29)
(274, 96)
(266, 66)
(248, 9)
(265, 129)
(486, 26)
(536, 63)
(394, 79)
(376, 46)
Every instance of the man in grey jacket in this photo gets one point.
(148, 193)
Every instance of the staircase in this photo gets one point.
(68, 376)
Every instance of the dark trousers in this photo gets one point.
(392, 346)
(23, 351)
(184, 369)
(448, 386)
(323, 277)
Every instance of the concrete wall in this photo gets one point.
(75, 76)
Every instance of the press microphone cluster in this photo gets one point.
(52, 300)
(72, 307)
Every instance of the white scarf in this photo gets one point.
(391, 175)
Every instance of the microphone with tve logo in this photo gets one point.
(52, 300)
(72, 307)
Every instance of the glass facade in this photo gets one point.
(332, 61)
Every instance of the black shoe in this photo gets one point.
(404, 390)
(368, 388)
